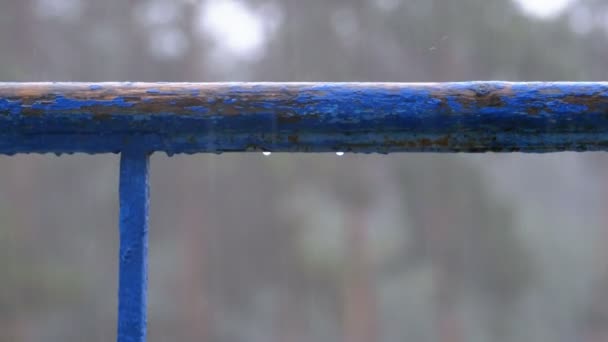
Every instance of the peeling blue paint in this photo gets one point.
(359, 117)
(61, 103)
(10, 107)
(161, 92)
(198, 109)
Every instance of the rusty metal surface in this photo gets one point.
(303, 117)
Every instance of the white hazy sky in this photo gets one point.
(544, 8)
(236, 28)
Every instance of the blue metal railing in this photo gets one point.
(137, 119)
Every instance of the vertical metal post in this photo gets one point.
(133, 263)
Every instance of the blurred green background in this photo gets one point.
(311, 247)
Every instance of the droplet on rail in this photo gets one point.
(266, 153)
(340, 154)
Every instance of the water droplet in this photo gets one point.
(266, 153)
(340, 154)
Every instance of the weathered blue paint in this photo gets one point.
(303, 117)
(134, 197)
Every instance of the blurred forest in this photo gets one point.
(309, 247)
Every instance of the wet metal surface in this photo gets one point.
(303, 117)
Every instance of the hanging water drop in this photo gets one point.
(266, 153)
(339, 154)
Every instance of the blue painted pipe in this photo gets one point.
(303, 117)
(133, 264)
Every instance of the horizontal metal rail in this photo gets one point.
(303, 117)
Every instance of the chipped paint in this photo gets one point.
(304, 117)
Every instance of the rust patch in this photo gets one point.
(533, 110)
(101, 116)
(425, 142)
(475, 97)
(444, 142)
(550, 91)
(595, 102)
(289, 119)
(484, 99)
(28, 111)
(443, 105)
